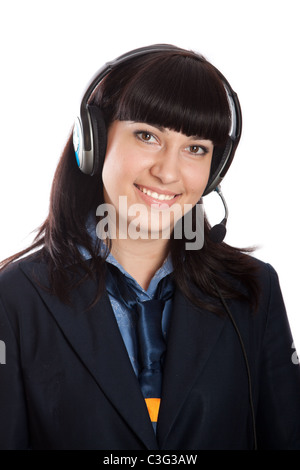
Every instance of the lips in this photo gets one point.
(156, 194)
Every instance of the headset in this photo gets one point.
(90, 135)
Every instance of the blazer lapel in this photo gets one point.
(192, 337)
(95, 336)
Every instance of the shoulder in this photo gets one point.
(265, 280)
(257, 270)
(13, 270)
(270, 306)
(265, 273)
(250, 275)
(269, 284)
(16, 277)
(19, 298)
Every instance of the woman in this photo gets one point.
(133, 325)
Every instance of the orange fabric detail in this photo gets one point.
(153, 408)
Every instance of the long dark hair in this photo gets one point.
(177, 90)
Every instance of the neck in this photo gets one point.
(140, 258)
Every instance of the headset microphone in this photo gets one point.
(217, 232)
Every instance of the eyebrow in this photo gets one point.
(163, 130)
(196, 137)
(157, 126)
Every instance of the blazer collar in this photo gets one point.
(95, 336)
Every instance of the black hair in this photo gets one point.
(178, 90)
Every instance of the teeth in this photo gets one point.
(160, 197)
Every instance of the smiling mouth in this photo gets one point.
(155, 195)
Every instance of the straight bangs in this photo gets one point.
(179, 92)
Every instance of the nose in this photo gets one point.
(166, 166)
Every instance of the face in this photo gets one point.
(160, 173)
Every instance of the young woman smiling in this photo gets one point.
(161, 169)
(140, 342)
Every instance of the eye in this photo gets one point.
(146, 136)
(197, 149)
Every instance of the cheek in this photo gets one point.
(110, 179)
(196, 180)
(119, 172)
(113, 168)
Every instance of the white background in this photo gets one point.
(49, 51)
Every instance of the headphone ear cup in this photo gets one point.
(99, 133)
(221, 161)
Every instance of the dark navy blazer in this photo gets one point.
(68, 382)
